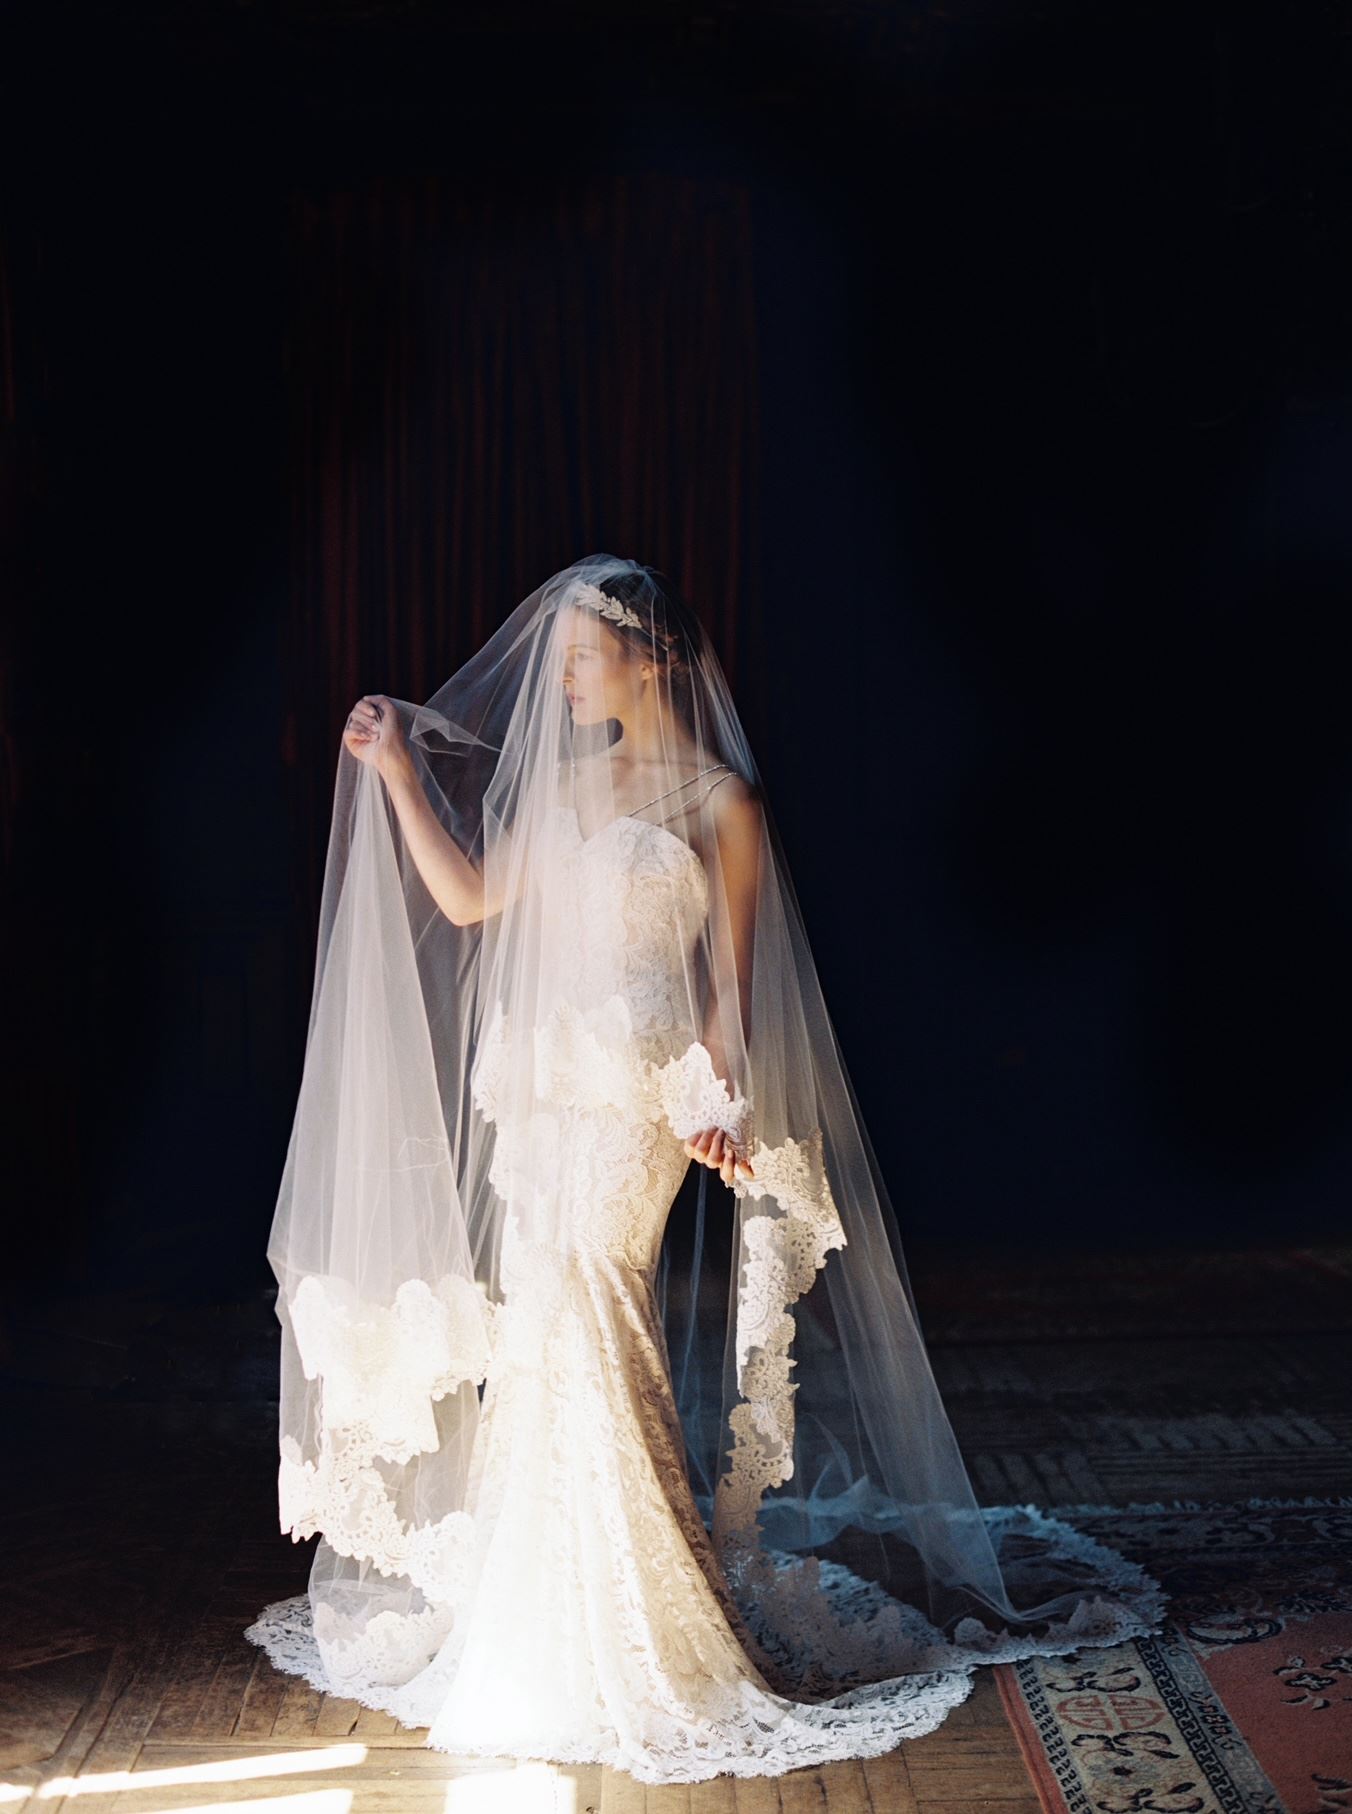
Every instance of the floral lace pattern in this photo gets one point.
(629, 903)
(693, 1099)
(781, 1256)
(575, 1607)
(343, 1496)
(382, 1366)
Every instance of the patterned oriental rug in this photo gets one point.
(1241, 1705)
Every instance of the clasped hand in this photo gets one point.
(715, 1149)
(374, 733)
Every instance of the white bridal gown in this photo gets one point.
(593, 1622)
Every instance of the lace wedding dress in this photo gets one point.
(579, 1609)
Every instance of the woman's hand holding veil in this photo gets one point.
(375, 733)
(717, 1150)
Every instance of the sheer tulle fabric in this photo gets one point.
(610, 1461)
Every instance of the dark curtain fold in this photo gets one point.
(476, 390)
(482, 391)
(53, 952)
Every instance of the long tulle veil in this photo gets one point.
(816, 1439)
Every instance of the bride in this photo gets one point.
(613, 1458)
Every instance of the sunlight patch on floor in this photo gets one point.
(223, 1770)
(319, 1801)
(526, 1789)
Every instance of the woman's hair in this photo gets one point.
(668, 623)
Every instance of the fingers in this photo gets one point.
(365, 719)
(715, 1149)
(735, 1164)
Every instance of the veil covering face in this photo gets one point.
(425, 1180)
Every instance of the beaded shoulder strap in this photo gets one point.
(685, 805)
(688, 804)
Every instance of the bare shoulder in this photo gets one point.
(736, 805)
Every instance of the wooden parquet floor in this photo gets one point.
(140, 1534)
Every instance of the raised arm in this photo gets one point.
(375, 734)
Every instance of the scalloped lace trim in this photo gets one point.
(692, 1098)
(743, 1729)
(343, 1497)
(870, 1671)
(383, 1366)
(781, 1256)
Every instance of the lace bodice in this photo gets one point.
(626, 908)
(629, 903)
(583, 1155)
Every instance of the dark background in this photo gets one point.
(984, 374)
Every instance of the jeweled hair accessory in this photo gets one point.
(607, 606)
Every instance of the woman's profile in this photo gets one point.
(594, 1482)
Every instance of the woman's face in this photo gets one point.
(600, 673)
